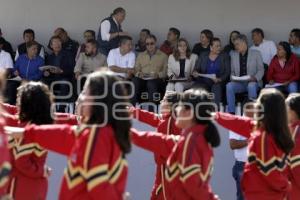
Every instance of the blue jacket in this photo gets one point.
(29, 69)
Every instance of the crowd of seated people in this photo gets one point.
(153, 69)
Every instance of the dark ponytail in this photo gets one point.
(276, 124)
(115, 114)
(212, 135)
(202, 104)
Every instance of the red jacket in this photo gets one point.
(265, 173)
(294, 164)
(9, 108)
(290, 72)
(27, 181)
(165, 125)
(96, 166)
(5, 164)
(189, 162)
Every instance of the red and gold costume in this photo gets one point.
(5, 165)
(189, 161)
(294, 163)
(27, 181)
(166, 125)
(96, 166)
(265, 173)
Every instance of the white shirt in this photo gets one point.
(267, 49)
(115, 58)
(239, 154)
(105, 28)
(6, 61)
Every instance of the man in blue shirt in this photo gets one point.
(294, 41)
(28, 65)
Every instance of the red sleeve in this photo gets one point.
(240, 125)
(9, 108)
(11, 120)
(105, 153)
(146, 117)
(4, 163)
(196, 167)
(31, 166)
(58, 138)
(271, 70)
(157, 143)
(270, 161)
(66, 118)
(295, 172)
(294, 160)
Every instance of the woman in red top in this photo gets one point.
(284, 68)
(165, 124)
(28, 180)
(97, 168)
(293, 107)
(269, 145)
(189, 156)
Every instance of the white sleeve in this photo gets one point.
(110, 59)
(17, 55)
(9, 62)
(273, 48)
(105, 27)
(131, 62)
(42, 52)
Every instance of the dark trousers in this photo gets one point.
(63, 93)
(210, 86)
(237, 173)
(10, 92)
(152, 87)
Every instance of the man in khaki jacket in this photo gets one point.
(150, 71)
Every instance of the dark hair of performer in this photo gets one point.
(272, 101)
(103, 101)
(34, 101)
(293, 107)
(195, 107)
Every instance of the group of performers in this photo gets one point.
(97, 139)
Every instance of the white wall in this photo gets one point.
(276, 17)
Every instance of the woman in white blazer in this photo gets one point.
(180, 67)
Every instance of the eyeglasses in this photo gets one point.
(150, 43)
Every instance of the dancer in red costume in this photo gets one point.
(293, 108)
(5, 165)
(270, 142)
(189, 156)
(28, 180)
(165, 123)
(97, 168)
